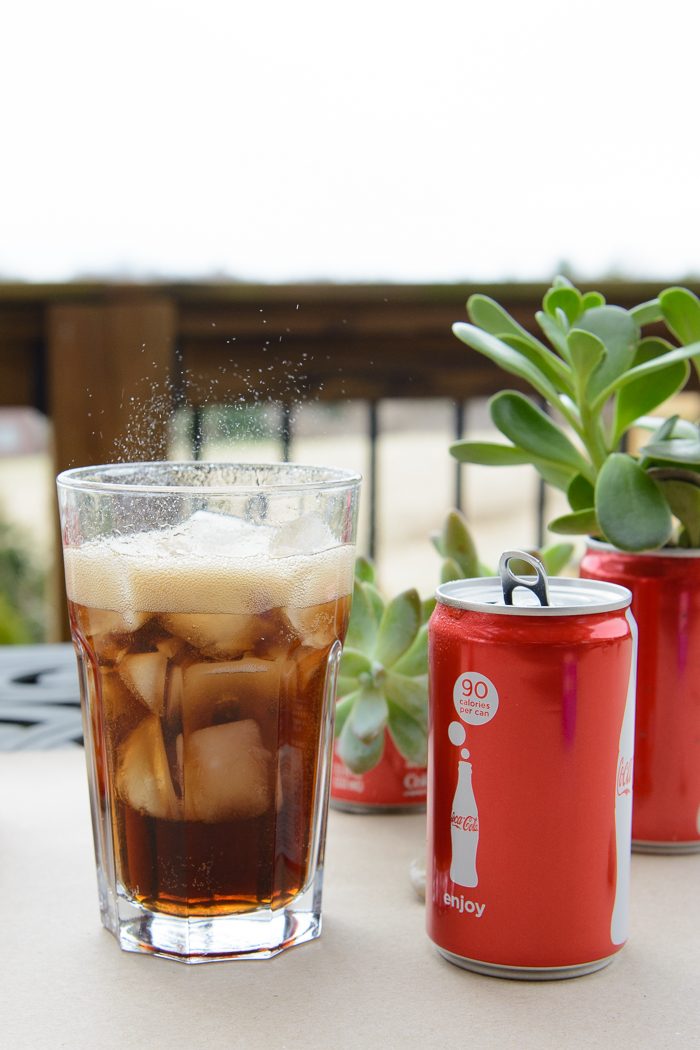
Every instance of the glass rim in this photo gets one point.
(83, 478)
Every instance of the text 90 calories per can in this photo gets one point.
(530, 773)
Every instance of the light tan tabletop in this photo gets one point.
(372, 980)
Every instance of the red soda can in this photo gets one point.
(665, 588)
(394, 785)
(530, 773)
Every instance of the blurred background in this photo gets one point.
(243, 231)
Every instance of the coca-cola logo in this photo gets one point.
(465, 823)
(624, 776)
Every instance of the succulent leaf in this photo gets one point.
(646, 393)
(363, 622)
(579, 522)
(369, 714)
(410, 694)
(566, 299)
(398, 628)
(364, 570)
(528, 427)
(556, 557)
(408, 735)
(415, 660)
(354, 663)
(343, 709)
(684, 501)
(630, 506)
(580, 493)
(457, 543)
(619, 334)
(355, 753)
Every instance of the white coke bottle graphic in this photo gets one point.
(464, 829)
(619, 925)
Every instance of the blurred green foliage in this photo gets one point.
(22, 589)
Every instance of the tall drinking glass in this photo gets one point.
(208, 605)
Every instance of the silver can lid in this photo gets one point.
(533, 595)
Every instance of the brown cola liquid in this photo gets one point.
(206, 729)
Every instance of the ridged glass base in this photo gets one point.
(250, 935)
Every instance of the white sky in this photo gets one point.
(358, 141)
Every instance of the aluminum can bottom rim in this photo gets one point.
(644, 846)
(525, 973)
(347, 806)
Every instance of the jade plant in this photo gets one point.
(598, 376)
(383, 679)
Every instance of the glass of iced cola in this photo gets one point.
(208, 605)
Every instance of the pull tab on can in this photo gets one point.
(509, 580)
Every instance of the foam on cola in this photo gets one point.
(207, 646)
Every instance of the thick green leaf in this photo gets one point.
(357, 755)
(345, 687)
(410, 736)
(490, 315)
(505, 357)
(680, 354)
(343, 709)
(567, 299)
(554, 332)
(494, 455)
(680, 309)
(376, 601)
(556, 557)
(552, 367)
(630, 506)
(364, 570)
(450, 570)
(592, 299)
(354, 663)
(586, 352)
(427, 609)
(580, 493)
(649, 391)
(410, 694)
(458, 544)
(554, 474)
(647, 313)
(369, 714)
(580, 523)
(362, 628)
(399, 626)
(415, 660)
(675, 450)
(560, 281)
(618, 333)
(684, 501)
(489, 454)
(529, 428)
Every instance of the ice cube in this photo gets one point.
(306, 535)
(214, 634)
(225, 534)
(227, 773)
(310, 665)
(318, 627)
(145, 674)
(214, 692)
(118, 702)
(143, 777)
(106, 621)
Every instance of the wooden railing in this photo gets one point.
(88, 354)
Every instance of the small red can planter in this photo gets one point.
(665, 588)
(394, 785)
